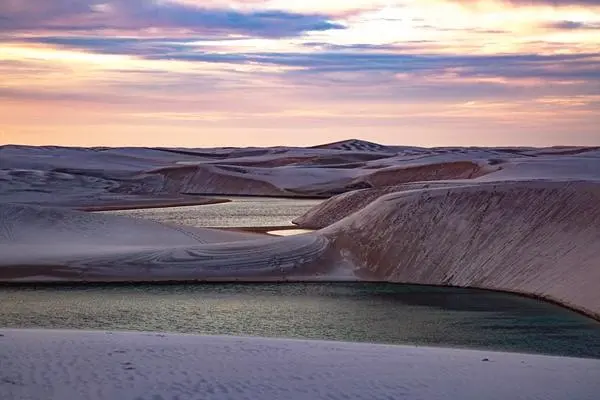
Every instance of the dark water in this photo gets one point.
(240, 211)
(381, 313)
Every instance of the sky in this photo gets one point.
(204, 73)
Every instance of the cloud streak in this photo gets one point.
(136, 15)
(572, 25)
(346, 58)
(553, 3)
(362, 59)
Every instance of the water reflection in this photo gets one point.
(364, 312)
(241, 211)
(289, 232)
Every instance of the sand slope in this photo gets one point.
(430, 173)
(210, 179)
(48, 244)
(98, 176)
(531, 224)
(97, 365)
(540, 238)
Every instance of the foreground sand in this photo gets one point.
(40, 364)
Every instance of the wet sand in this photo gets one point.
(140, 204)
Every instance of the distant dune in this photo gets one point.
(355, 145)
(585, 168)
(427, 172)
(209, 179)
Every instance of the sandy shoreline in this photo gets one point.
(23, 275)
(152, 203)
(258, 229)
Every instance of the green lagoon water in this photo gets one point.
(361, 312)
(240, 211)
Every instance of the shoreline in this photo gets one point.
(281, 339)
(151, 203)
(257, 229)
(269, 196)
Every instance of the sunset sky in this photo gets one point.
(248, 72)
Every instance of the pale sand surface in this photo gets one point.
(49, 364)
(65, 244)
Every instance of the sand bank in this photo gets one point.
(40, 364)
(151, 203)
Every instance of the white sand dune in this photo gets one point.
(57, 244)
(531, 225)
(40, 186)
(83, 177)
(209, 179)
(96, 176)
(540, 238)
(38, 364)
(583, 167)
(71, 176)
(88, 159)
(430, 172)
(356, 145)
